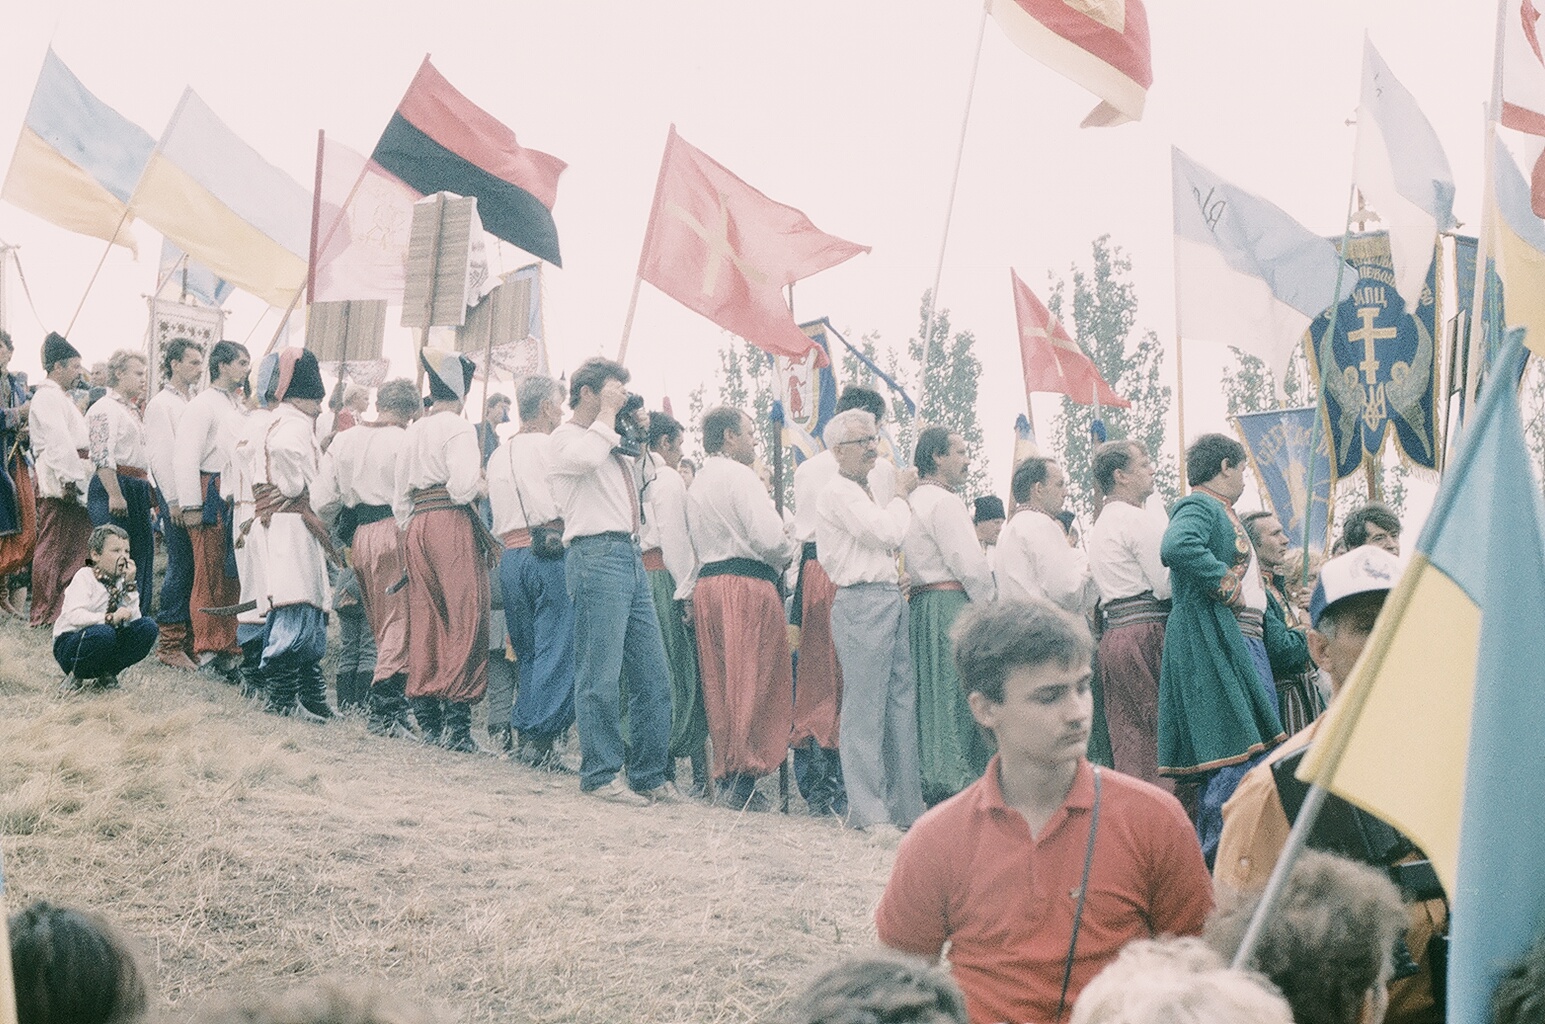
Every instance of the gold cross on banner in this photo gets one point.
(1365, 336)
(718, 243)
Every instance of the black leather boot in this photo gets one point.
(252, 682)
(431, 722)
(311, 688)
(389, 708)
(458, 728)
(280, 679)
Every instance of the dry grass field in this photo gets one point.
(248, 853)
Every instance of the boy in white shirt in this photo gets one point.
(100, 631)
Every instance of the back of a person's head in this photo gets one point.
(1177, 981)
(1520, 995)
(880, 988)
(71, 967)
(1329, 940)
(323, 1003)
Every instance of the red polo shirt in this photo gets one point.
(969, 873)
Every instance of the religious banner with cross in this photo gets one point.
(1378, 366)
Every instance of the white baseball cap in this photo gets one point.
(1362, 570)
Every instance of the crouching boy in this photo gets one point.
(100, 631)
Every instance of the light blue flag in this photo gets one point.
(1401, 169)
(1246, 273)
(192, 277)
(1498, 907)
(1277, 443)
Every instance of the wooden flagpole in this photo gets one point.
(638, 278)
(949, 209)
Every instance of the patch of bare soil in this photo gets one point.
(249, 853)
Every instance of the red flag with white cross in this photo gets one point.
(725, 250)
(1052, 360)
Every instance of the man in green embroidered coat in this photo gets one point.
(1216, 711)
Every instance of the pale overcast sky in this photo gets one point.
(847, 109)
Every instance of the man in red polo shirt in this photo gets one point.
(998, 870)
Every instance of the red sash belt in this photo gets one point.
(268, 501)
(923, 588)
(133, 472)
(654, 560)
(521, 537)
(436, 498)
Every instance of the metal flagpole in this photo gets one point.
(1180, 378)
(949, 210)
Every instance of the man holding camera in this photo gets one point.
(595, 477)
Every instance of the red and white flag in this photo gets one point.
(723, 249)
(1052, 360)
(362, 233)
(1100, 44)
(1523, 88)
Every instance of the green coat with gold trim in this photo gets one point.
(1212, 709)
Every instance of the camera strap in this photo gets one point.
(1083, 891)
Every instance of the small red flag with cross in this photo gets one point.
(1052, 360)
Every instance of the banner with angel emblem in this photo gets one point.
(1277, 444)
(1377, 367)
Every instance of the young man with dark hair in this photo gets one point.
(616, 630)
(1036, 559)
(206, 436)
(671, 562)
(1134, 592)
(742, 640)
(818, 689)
(1374, 523)
(1217, 704)
(1038, 873)
(945, 569)
(60, 451)
(445, 550)
(537, 611)
(182, 364)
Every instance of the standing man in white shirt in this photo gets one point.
(818, 678)
(1134, 590)
(1036, 560)
(360, 474)
(595, 478)
(61, 454)
(182, 364)
(119, 493)
(206, 436)
(859, 540)
(672, 566)
(537, 609)
(445, 553)
(742, 639)
(945, 568)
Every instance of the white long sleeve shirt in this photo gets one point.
(440, 449)
(1036, 561)
(360, 468)
(815, 473)
(117, 435)
(85, 603)
(732, 516)
(58, 432)
(162, 415)
(859, 539)
(295, 561)
(206, 437)
(519, 488)
(1124, 552)
(597, 491)
(941, 544)
(666, 524)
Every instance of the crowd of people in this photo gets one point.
(913, 651)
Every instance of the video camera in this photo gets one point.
(633, 437)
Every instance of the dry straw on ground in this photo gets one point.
(249, 853)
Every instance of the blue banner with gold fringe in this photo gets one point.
(1277, 444)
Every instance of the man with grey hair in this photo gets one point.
(537, 609)
(859, 540)
(359, 475)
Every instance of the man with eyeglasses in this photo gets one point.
(859, 539)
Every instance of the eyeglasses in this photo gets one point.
(871, 439)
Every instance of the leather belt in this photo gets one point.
(923, 588)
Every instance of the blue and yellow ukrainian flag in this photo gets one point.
(77, 160)
(1438, 731)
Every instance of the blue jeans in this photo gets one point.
(104, 650)
(615, 626)
(540, 618)
(177, 585)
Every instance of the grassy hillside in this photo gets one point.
(249, 853)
